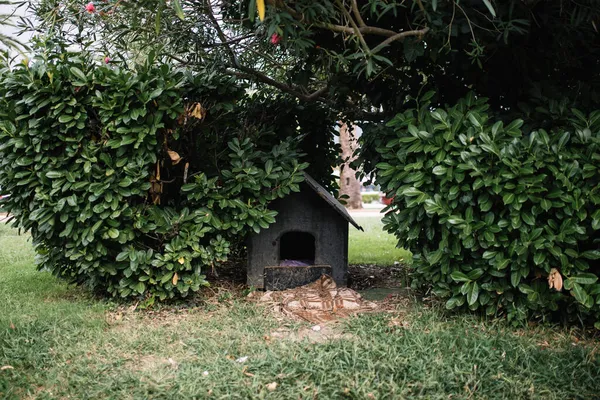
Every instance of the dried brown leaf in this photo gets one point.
(175, 157)
(197, 111)
(175, 279)
(555, 280)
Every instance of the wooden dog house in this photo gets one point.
(308, 239)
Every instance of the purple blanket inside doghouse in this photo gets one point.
(295, 263)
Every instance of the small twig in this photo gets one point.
(355, 28)
(267, 57)
(178, 59)
(114, 8)
(451, 22)
(231, 41)
(294, 13)
(468, 21)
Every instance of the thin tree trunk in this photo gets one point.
(349, 185)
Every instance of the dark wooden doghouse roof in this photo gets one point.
(325, 195)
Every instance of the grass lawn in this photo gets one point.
(374, 245)
(57, 342)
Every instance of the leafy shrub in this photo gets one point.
(489, 212)
(370, 197)
(102, 166)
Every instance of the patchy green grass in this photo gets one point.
(61, 343)
(374, 245)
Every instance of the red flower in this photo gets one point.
(275, 39)
(106, 60)
(90, 7)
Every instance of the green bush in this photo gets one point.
(102, 166)
(489, 211)
(370, 197)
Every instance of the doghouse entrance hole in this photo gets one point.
(297, 249)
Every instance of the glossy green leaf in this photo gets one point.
(584, 278)
(77, 73)
(472, 293)
(458, 276)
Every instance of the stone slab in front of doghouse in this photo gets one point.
(281, 278)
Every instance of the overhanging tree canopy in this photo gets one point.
(363, 58)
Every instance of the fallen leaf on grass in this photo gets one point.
(396, 322)
(272, 386)
(245, 371)
(6, 367)
(12, 326)
(173, 363)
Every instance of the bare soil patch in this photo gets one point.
(315, 334)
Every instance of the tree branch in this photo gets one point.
(249, 73)
(399, 36)
(355, 28)
(221, 35)
(368, 30)
(231, 41)
(182, 61)
(357, 15)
